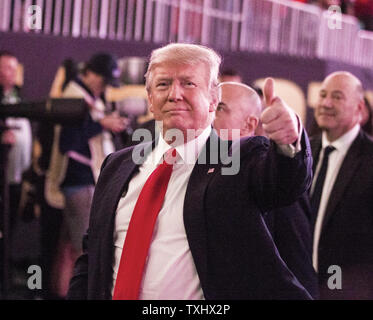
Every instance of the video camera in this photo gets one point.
(63, 111)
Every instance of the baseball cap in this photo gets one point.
(105, 65)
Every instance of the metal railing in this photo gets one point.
(338, 42)
(277, 26)
(364, 49)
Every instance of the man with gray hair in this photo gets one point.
(341, 193)
(178, 228)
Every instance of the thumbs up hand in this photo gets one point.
(280, 123)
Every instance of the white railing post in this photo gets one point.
(206, 16)
(244, 25)
(321, 38)
(294, 27)
(148, 21)
(235, 24)
(25, 15)
(57, 17)
(112, 18)
(139, 22)
(174, 22)
(121, 21)
(17, 14)
(48, 17)
(182, 20)
(5, 13)
(159, 21)
(104, 14)
(77, 18)
(86, 17)
(40, 4)
(274, 30)
(130, 16)
(67, 19)
(93, 30)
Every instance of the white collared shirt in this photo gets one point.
(19, 158)
(169, 271)
(341, 145)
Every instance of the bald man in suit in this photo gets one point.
(237, 116)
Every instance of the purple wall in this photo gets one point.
(41, 56)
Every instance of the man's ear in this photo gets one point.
(150, 103)
(214, 99)
(250, 125)
(360, 109)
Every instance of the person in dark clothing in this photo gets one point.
(77, 154)
(239, 108)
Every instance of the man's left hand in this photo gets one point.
(114, 122)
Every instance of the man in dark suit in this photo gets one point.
(209, 239)
(240, 108)
(342, 200)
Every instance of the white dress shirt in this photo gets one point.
(341, 145)
(19, 158)
(169, 271)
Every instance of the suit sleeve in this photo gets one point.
(78, 287)
(279, 180)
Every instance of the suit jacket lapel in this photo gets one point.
(112, 195)
(316, 148)
(120, 179)
(194, 215)
(346, 172)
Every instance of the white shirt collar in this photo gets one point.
(343, 142)
(188, 152)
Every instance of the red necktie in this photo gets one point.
(140, 230)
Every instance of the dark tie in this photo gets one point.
(140, 230)
(317, 191)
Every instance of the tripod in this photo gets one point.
(5, 225)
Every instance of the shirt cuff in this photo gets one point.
(97, 110)
(290, 150)
(96, 115)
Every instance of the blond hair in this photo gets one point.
(183, 53)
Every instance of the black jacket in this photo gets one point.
(233, 251)
(346, 238)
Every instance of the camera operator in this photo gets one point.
(76, 158)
